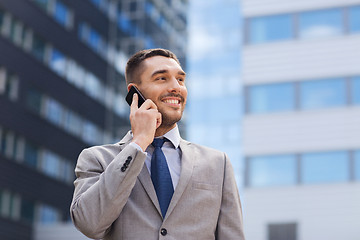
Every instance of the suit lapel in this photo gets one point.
(187, 165)
(144, 176)
(145, 180)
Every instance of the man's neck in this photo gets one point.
(160, 131)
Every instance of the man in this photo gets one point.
(117, 193)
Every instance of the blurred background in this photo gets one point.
(273, 83)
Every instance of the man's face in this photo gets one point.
(163, 81)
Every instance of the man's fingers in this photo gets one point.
(134, 104)
(158, 120)
(148, 104)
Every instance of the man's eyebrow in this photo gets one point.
(159, 72)
(165, 71)
(182, 73)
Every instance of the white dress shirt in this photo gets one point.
(171, 151)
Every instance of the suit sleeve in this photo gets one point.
(100, 195)
(230, 222)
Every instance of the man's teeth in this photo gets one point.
(172, 101)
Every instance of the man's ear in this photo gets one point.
(129, 86)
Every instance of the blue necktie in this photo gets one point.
(160, 176)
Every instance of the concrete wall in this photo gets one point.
(321, 212)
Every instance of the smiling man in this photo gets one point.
(153, 184)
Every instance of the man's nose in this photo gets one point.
(174, 85)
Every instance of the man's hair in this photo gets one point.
(132, 74)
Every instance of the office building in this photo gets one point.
(62, 89)
(301, 134)
(214, 103)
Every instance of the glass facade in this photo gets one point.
(355, 90)
(214, 109)
(303, 95)
(271, 28)
(325, 167)
(303, 25)
(322, 23)
(277, 170)
(322, 94)
(272, 98)
(305, 168)
(354, 16)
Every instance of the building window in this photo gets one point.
(284, 231)
(17, 32)
(44, 4)
(271, 98)
(54, 111)
(50, 164)
(58, 10)
(325, 167)
(75, 74)
(354, 19)
(91, 133)
(276, 170)
(322, 93)
(9, 84)
(34, 100)
(270, 28)
(93, 86)
(73, 123)
(93, 39)
(355, 90)
(1, 19)
(38, 48)
(58, 62)
(322, 23)
(31, 155)
(357, 165)
(27, 210)
(62, 14)
(309, 24)
(47, 214)
(10, 205)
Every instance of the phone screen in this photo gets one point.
(129, 96)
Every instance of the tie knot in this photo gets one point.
(158, 142)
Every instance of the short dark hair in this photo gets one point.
(135, 61)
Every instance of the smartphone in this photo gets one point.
(129, 96)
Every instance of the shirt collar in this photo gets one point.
(173, 136)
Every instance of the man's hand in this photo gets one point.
(144, 122)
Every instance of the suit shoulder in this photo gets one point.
(103, 149)
(207, 151)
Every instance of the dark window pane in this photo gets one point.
(322, 93)
(270, 28)
(27, 210)
(43, 3)
(38, 48)
(1, 18)
(271, 98)
(31, 155)
(355, 90)
(321, 23)
(354, 19)
(272, 170)
(34, 100)
(325, 167)
(285, 231)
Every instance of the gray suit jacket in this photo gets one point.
(111, 203)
